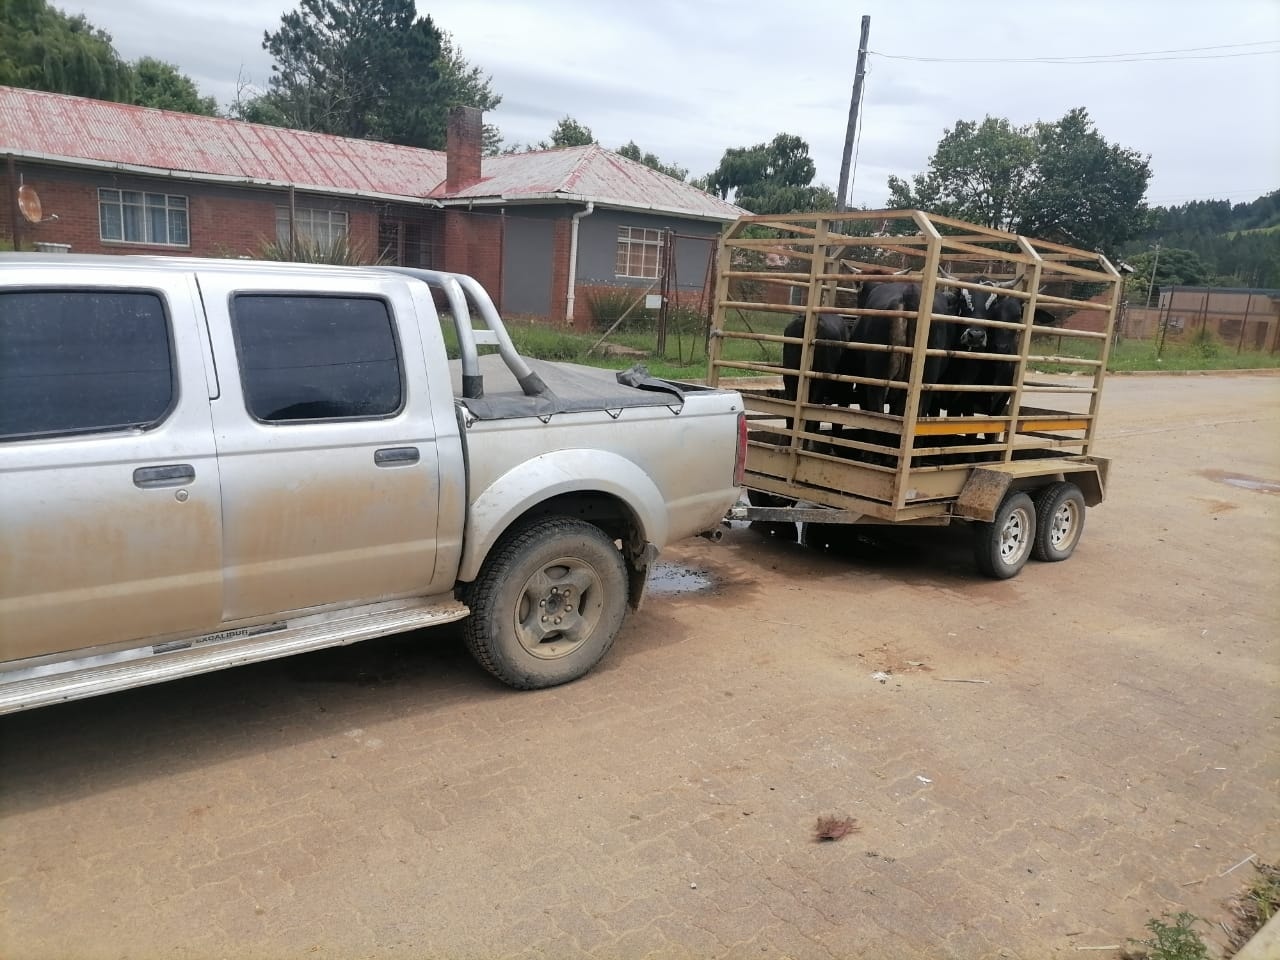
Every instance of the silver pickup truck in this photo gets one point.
(209, 463)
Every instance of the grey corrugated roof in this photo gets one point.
(590, 173)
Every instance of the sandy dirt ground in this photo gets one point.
(389, 799)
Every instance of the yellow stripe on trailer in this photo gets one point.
(951, 428)
(946, 428)
(1032, 424)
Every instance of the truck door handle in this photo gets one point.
(170, 475)
(391, 456)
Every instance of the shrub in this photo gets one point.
(1173, 941)
(342, 251)
(1205, 343)
(609, 303)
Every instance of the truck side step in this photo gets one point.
(184, 658)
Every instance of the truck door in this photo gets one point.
(109, 505)
(326, 443)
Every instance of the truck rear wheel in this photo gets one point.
(1059, 521)
(547, 604)
(1001, 548)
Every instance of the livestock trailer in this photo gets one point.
(910, 425)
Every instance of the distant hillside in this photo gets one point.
(1237, 244)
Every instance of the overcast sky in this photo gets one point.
(688, 78)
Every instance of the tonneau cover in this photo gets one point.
(571, 388)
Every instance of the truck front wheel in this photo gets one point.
(547, 604)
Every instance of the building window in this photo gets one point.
(312, 225)
(639, 252)
(131, 216)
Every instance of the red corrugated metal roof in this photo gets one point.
(73, 129)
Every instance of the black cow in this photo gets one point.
(900, 331)
(991, 305)
(824, 359)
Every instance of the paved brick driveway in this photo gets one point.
(389, 800)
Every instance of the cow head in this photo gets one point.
(994, 305)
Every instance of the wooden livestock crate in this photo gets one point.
(914, 459)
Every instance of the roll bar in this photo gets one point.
(462, 292)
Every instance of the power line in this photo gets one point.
(1149, 56)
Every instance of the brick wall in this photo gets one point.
(473, 245)
(222, 221)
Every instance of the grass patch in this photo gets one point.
(685, 357)
(1176, 937)
(1196, 353)
(1252, 909)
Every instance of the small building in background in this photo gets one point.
(545, 232)
(1244, 318)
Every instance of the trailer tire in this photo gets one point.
(1060, 510)
(1001, 548)
(550, 570)
(783, 530)
(825, 536)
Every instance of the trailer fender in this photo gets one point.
(982, 493)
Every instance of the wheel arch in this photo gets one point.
(603, 488)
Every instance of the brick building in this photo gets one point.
(116, 178)
(1247, 318)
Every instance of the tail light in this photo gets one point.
(740, 463)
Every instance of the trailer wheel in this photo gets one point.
(822, 536)
(1002, 547)
(547, 604)
(1060, 512)
(783, 530)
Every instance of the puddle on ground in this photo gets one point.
(672, 579)
(1242, 482)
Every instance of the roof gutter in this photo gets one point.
(215, 178)
(536, 198)
(573, 258)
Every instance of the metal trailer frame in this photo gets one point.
(1046, 434)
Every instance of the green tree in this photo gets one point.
(773, 177)
(979, 172)
(42, 48)
(366, 68)
(569, 132)
(162, 85)
(1087, 191)
(1057, 180)
(1172, 266)
(633, 152)
(1239, 243)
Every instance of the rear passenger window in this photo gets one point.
(316, 358)
(82, 361)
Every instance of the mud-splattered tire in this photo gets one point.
(1060, 512)
(547, 604)
(1001, 548)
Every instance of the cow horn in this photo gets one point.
(1010, 284)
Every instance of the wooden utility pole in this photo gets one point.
(842, 198)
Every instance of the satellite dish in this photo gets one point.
(29, 203)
